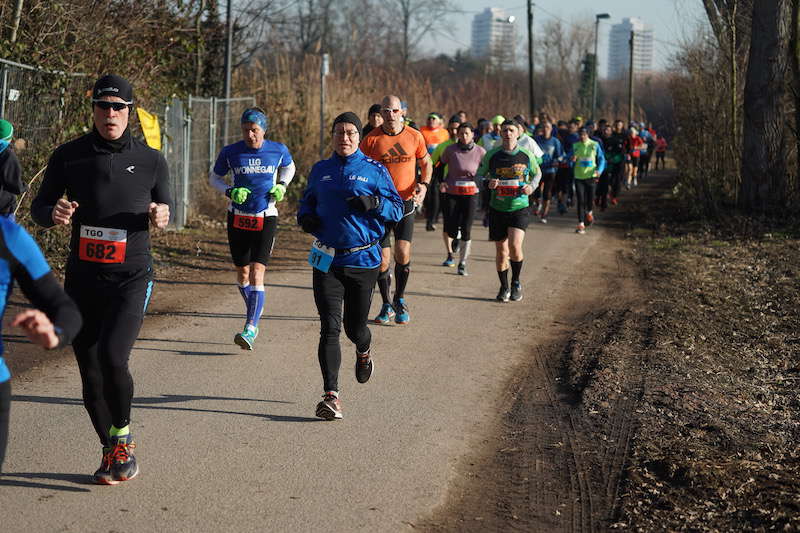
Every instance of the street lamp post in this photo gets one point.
(597, 19)
(531, 99)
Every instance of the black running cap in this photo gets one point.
(350, 118)
(374, 108)
(113, 85)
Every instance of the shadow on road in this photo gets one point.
(157, 402)
(80, 479)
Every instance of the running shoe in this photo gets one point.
(247, 338)
(330, 408)
(589, 218)
(386, 314)
(402, 316)
(614, 200)
(635, 182)
(462, 269)
(516, 291)
(429, 226)
(543, 220)
(103, 475)
(581, 229)
(364, 367)
(123, 463)
(456, 244)
(503, 295)
(448, 262)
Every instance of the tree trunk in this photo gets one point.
(764, 149)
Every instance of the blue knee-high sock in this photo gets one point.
(255, 304)
(244, 290)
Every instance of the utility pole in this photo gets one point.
(228, 66)
(531, 94)
(630, 79)
(323, 71)
(597, 19)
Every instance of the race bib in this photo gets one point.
(102, 245)
(248, 221)
(466, 187)
(321, 256)
(508, 188)
(586, 162)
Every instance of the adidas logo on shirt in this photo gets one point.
(395, 154)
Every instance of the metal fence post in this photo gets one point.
(187, 148)
(5, 91)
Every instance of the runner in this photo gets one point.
(565, 181)
(434, 135)
(262, 170)
(117, 187)
(633, 145)
(492, 138)
(589, 162)
(400, 149)
(438, 176)
(374, 119)
(347, 201)
(55, 327)
(661, 151)
(608, 186)
(511, 174)
(11, 184)
(644, 151)
(551, 161)
(462, 161)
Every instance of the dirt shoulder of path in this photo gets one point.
(663, 399)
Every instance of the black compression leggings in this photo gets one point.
(584, 191)
(5, 407)
(459, 212)
(352, 289)
(112, 305)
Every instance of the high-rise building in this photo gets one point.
(619, 50)
(494, 36)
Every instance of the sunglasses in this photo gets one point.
(106, 105)
(388, 110)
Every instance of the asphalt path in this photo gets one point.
(227, 439)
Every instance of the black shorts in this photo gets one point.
(500, 221)
(404, 229)
(252, 246)
(634, 161)
(660, 156)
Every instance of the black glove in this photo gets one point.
(363, 203)
(310, 223)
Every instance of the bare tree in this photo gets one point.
(764, 161)
(417, 18)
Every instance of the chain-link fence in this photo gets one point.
(49, 107)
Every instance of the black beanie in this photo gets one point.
(113, 85)
(350, 118)
(455, 119)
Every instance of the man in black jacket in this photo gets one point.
(116, 187)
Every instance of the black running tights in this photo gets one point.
(112, 306)
(584, 192)
(352, 289)
(5, 406)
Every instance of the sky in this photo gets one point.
(672, 21)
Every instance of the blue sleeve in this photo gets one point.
(308, 203)
(601, 159)
(25, 250)
(559, 152)
(286, 157)
(221, 167)
(391, 207)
